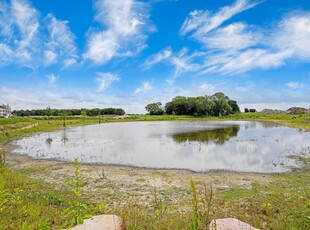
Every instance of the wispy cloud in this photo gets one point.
(52, 78)
(182, 61)
(206, 88)
(293, 33)
(202, 22)
(239, 47)
(157, 58)
(26, 21)
(5, 20)
(23, 37)
(245, 61)
(105, 80)
(60, 43)
(145, 86)
(288, 40)
(293, 85)
(126, 23)
(236, 36)
(6, 54)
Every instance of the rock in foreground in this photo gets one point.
(102, 222)
(230, 224)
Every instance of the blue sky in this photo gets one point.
(128, 53)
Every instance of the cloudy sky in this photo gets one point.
(128, 53)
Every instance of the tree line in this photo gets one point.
(217, 104)
(68, 112)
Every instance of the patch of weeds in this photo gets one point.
(163, 174)
(77, 209)
(55, 168)
(28, 171)
(201, 206)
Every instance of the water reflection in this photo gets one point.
(64, 138)
(49, 141)
(217, 136)
(195, 145)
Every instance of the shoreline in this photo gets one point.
(9, 146)
(130, 179)
(136, 193)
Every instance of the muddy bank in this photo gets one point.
(116, 185)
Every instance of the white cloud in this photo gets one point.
(6, 54)
(126, 22)
(105, 80)
(68, 62)
(26, 20)
(202, 22)
(60, 42)
(238, 47)
(157, 58)
(5, 20)
(246, 60)
(101, 47)
(207, 88)
(182, 61)
(293, 85)
(235, 36)
(289, 40)
(145, 86)
(52, 78)
(49, 57)
(293, 33)
(22, 33)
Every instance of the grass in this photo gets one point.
(29, 204)
(26, 203)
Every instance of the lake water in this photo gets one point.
(194, 145)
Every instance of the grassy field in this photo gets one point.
(26, 203)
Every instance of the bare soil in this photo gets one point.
(116, 185)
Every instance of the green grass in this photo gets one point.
(25, 203)
(29, 204)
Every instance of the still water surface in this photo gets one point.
(194, 145)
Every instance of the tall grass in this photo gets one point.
(2, 157)
(201, 206)
(77, 208)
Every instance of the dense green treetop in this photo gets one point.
(155, 108)
(69, 112)
(217, 104)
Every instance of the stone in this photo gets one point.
(102, 222)
(230, 224)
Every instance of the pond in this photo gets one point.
(194, 145)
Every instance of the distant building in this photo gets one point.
(5, 111)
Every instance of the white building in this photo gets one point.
(5, 111)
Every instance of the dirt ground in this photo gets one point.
(116, 185)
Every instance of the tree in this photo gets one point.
(217, 104)
(169, 108)
(233, 104)
(155, 108)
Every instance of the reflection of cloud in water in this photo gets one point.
(193, 145)
(246, 147)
